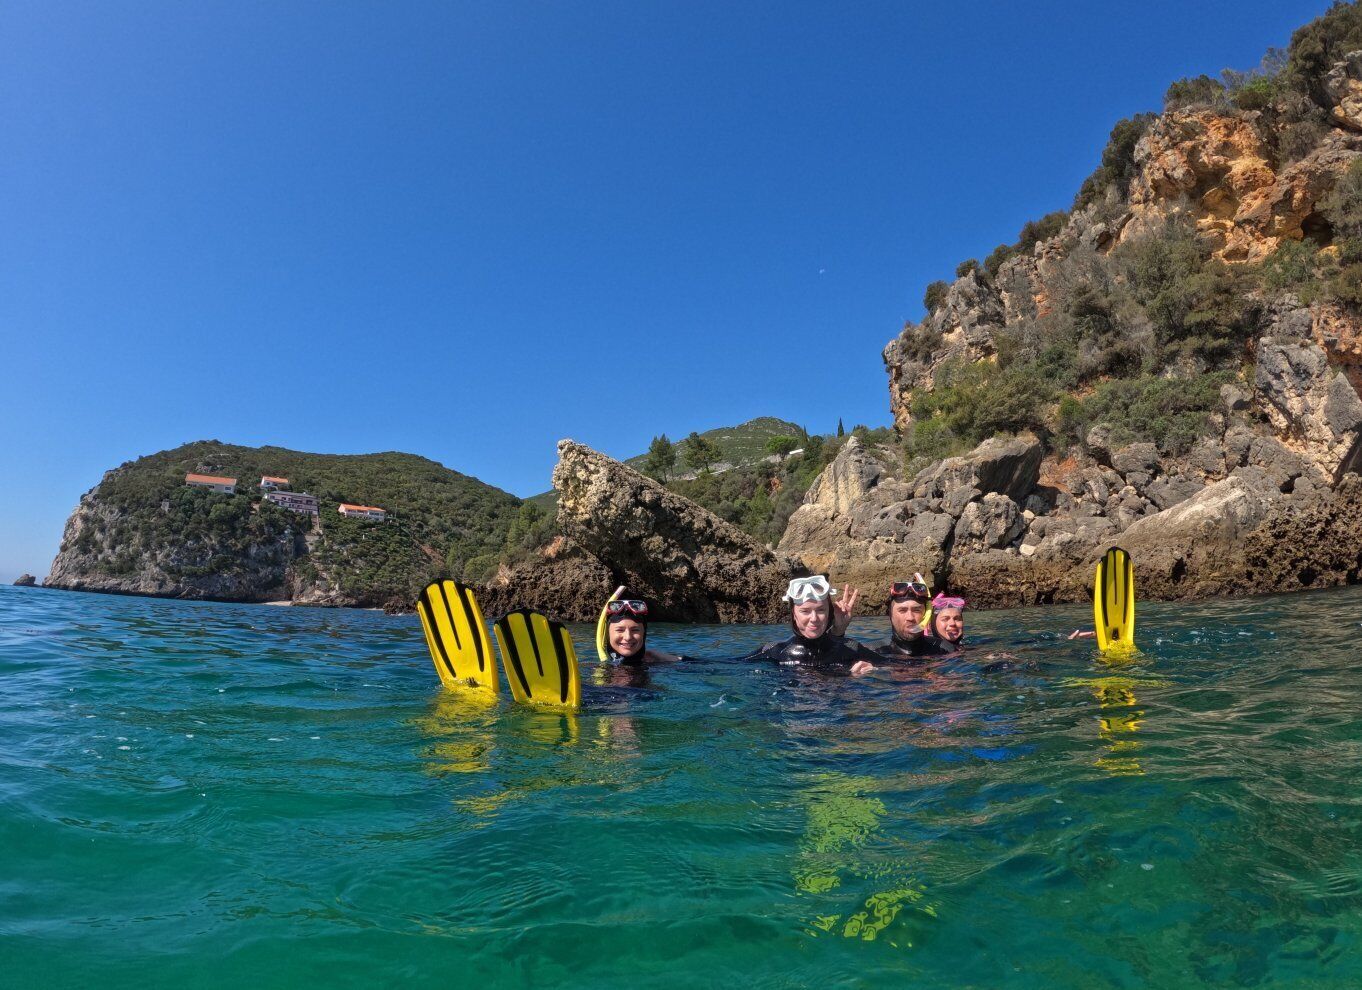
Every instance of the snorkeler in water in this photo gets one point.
(948, 622)
(907, 638)
(815, 642)
(622, 635)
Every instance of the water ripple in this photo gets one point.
(287, 792)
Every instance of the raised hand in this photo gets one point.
(842, 609)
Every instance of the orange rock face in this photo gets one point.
(1214, 167)
(1340, 334)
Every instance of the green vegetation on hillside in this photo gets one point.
(1143, 337)
(205, 532)
(741, 444)
(1160, 316)
(440, 521)
(759, 498)
(757, 495)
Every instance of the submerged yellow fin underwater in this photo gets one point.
(537, 654)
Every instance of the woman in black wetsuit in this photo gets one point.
(625, 639)
(814, 644)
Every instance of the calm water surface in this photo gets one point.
(202, 795)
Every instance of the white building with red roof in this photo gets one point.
(225, 485)
(370, 512)
(272, 484)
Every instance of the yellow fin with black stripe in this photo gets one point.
(1113, 601)
(456, 635)
(539, 659)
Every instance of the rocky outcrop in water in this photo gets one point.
(1089, 302)
(563, 580)
(1272, 483)
(1269, 513)
(863, 524)
(619, 527)
(25, 581)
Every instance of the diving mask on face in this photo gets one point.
(808, 589)
(910, 589)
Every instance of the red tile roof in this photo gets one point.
(268, 478)
(209, 479)
(363, 508)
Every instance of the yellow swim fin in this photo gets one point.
(539, 659)
(457, 636)
(1113, 601)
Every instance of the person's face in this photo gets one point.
(905, 615)
(811, 618)
(626, 636)
(950, 623)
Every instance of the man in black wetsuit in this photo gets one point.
(907, 639)
(814, 644)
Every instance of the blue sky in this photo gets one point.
(469, 230)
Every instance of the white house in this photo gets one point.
(294, 501)
(225, 485)
(363, 512)
(270, 484)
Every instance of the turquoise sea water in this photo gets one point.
(199, 795)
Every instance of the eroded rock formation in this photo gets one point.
(1214, 167)
(620, 527)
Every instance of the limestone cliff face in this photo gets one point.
(1339, 332)
(619, 527)
(1215, 168)
(143, 531)
(564, 580)
(693, 565)
(1277, 463)
(94, 557)
(1274, 480)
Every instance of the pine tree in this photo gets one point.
(661, 458)
(698, 452)
(841, 430)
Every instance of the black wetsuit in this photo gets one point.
(926, 645)
(642, 657)
(827, 651)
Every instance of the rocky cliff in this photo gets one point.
(1179, 355)
(1268, 499)
(621, 527)
(142, 531)
(251, 563)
